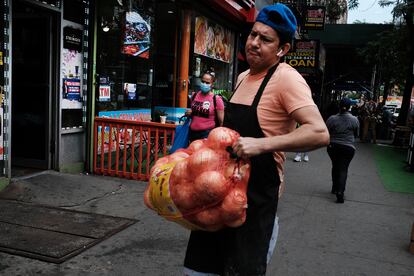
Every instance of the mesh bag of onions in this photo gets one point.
(202, 187)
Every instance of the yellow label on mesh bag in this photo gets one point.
(160, 196)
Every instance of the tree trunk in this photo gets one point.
(386, 89)
(402, 118)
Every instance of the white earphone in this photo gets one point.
(279, 54)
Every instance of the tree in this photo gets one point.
(335, 9)
(403, 12)
(385, 52)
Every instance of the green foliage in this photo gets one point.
(158, 113)
(226, 94)
(388, 52)
(161, 112)
(399, 11)
(335, 9)
(353, 4)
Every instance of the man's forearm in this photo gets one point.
(304, 138)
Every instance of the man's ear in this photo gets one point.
(283, 50)
(280, 53)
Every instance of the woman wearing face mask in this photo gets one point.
(205, 106)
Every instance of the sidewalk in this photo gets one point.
(368, 235)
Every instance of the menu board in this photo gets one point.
(136, 36)
(213, 40)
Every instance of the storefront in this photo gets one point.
(150, 55)
(44, 85)
(145, 56)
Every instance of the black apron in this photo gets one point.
(242, 250)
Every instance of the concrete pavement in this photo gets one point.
(368, 235)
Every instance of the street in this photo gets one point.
(367, 235)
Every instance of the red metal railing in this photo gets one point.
(128, 149)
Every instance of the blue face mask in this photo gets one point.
(205, 87)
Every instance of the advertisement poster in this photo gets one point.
(130, 90)
(132, 114)
(304, 54)
(104, 93)
(136, 36)
(314, 18)
(71, 72)
(104, 89)
(213, 40)
(72, 89)
(72, 63)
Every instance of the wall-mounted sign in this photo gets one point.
(136, 36)
(72, 39)
(213, 40)
(304, 54)
(314, 18)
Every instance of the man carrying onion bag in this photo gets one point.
(269, 100)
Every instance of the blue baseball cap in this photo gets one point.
(280, 18)
(345, 102)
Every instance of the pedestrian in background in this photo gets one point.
(369, 118)
(207, 109)
(298, 157)
(269, 99)
(343, 128)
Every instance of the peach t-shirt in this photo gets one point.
(285, 92)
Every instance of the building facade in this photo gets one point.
(65, 62)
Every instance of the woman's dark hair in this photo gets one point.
(210, 72)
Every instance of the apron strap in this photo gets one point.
(263, 85)
(235, 89)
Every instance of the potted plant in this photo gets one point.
(160, 116)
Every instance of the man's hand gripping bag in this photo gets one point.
(202, 187)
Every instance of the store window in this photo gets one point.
(165, 54)
(213, 51)
(124, 55)
(75, 26)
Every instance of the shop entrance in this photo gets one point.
(34, 48)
